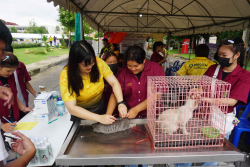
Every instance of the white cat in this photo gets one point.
(170, 120)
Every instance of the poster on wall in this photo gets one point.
(212, 50)
(126, 42)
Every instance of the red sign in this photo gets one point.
(109, 35)
(185, 45)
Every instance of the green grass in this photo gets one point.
(31, 57)
(186, 55)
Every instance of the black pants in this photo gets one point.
(100, 109)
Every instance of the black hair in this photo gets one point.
(80, 51)
(159, 43)
(9, 60)
(9, 48)
(120, 56)
(202, 50)
(135, 53)
(236, 45)
(5, 34)
(115, 46)
(109, 54)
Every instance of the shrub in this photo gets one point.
(88, 38)
(38, 51)
(25, 45)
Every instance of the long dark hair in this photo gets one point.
(236, 45)
(159, 43)
(9, 60)
(135, 53)
(5, 34)
(80, 51)
(109, 54)
(115, 46)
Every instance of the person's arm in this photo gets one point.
(114, 83)
(7, 96)
(111, 106)
(30, 89)
(100, 55)
(22, 107)
(221, 101)
(8, 127)
(85, 114)
(133, 112)
(23, 147)
(164, 57)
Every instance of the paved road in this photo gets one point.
(48, 78)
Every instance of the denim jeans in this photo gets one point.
(204, 163)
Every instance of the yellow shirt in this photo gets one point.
(50, 39)
(116, 52)
(91, 95)
(195, 66)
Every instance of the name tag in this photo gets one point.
(129, 84)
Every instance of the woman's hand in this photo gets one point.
(27, 109)
(132, 113)
(122, 108)
(22, 145)
(7, 95)
(107, 119)
(8, 127)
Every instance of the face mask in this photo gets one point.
(224, 62)
(113, 67)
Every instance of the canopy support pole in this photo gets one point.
(169, 41)
(81, 27)
(246, 40)
(98, 39)
(190, 45)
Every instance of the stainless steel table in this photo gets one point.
(85, 147)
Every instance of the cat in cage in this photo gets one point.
(169, 121)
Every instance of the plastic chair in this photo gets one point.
(242, 106)
(243, 126)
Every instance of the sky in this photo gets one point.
(23, 11)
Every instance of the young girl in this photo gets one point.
(114, 48)
(22, 79)
(8, 65)
(230, 59)
(156, 57)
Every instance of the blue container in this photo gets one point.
(60, 108)
(59, 97)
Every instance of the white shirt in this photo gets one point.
(3, 152)
(19, 91)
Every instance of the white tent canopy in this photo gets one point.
(178, 17)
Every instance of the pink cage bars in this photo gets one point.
(187, 111)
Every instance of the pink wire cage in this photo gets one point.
(187, 111)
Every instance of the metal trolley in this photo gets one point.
(85, 147)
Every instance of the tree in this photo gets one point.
(57, 28)
(33, 29)
(100, 35)
(13, 30)
(67, 19)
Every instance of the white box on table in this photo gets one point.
(44, 103)
(42, 117)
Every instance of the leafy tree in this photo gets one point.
(13, 30)
(57, 28)
(36, 30)
(96, 35)
(67, 19)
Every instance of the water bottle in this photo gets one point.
(60, 108)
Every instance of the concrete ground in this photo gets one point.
(50, 79)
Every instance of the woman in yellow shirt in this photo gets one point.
(82, 85)
(114, 48)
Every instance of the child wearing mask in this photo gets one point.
(231, 60)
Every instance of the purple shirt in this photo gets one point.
(156, 57)
(239, 79)
(135, 90)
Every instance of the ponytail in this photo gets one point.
(236, 45)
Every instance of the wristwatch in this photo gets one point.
(121, 102)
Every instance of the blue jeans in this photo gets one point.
(143, 165)
(204, 163)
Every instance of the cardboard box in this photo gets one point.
(44, 103)
(45, 118)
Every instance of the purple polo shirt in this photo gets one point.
(135, 90)
(156, 57)
(239, 79)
